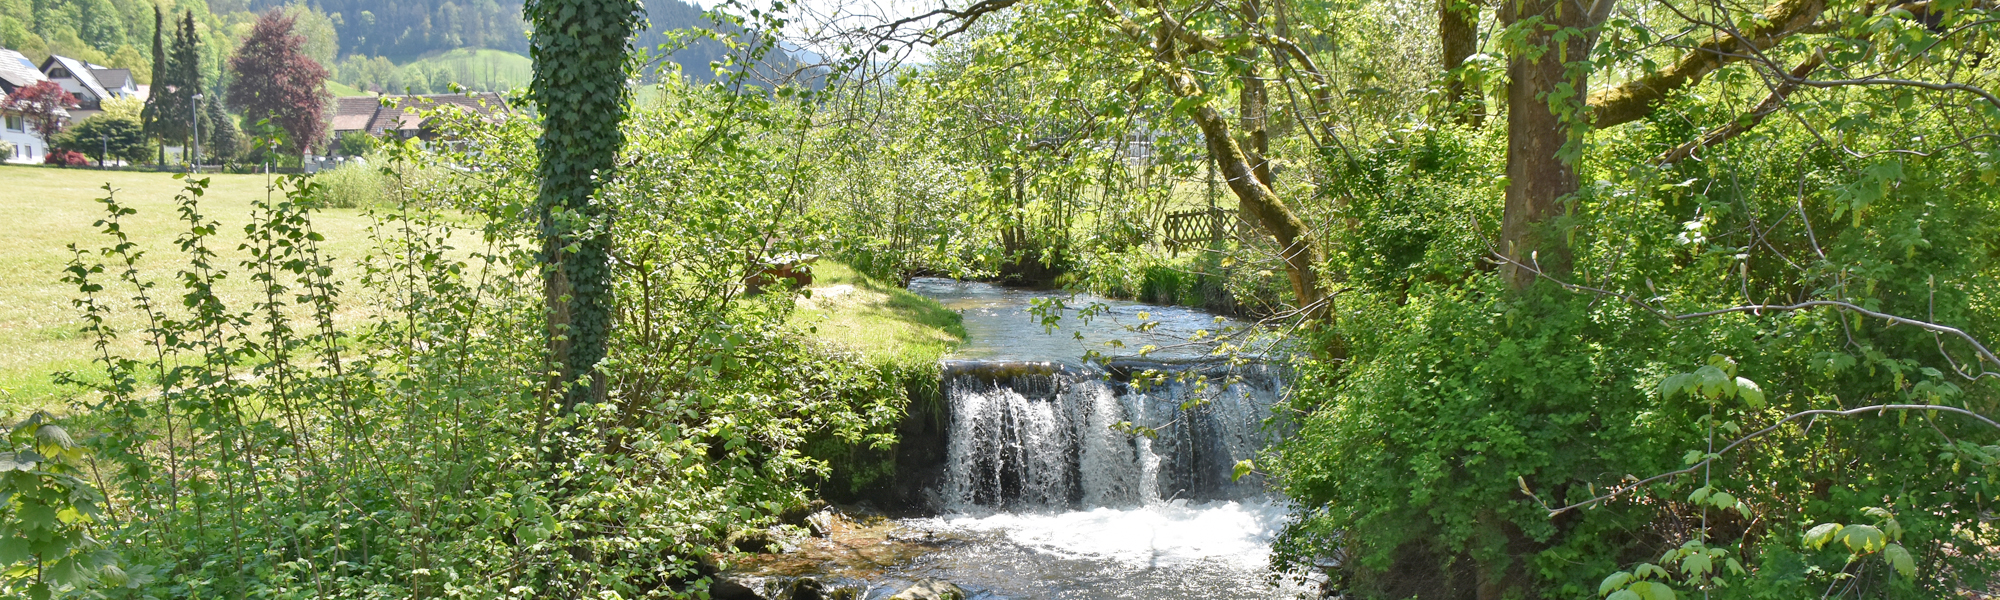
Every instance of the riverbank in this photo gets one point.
(886, 324)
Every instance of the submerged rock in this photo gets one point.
(796, 516)
(931, 590)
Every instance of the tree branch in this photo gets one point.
(1636, 98)
(1984, 354)
(1878, 409)
(1749, 120)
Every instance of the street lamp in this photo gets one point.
(194, 121)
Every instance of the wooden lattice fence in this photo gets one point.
(1194, 228)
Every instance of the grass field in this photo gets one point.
(48, 209)
(484, 69)
(339, 90)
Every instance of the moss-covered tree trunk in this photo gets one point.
(580, 68)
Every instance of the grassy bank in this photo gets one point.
(887, 324)
(51, 208)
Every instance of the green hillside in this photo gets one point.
(483, 70)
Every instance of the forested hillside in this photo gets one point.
(368, 44)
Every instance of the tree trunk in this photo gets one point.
(1541, 172)
(1458, 34)
(579, 85)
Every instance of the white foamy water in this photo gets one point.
(1236, 534)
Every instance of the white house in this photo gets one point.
(91, 84)
(16, 72)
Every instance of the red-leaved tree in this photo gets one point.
(276, 80)
(43, 105)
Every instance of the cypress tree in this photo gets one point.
(151, 118)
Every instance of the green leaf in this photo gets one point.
(1819, 535)
(1649, 570)
(1735, 568)
(1243, 467)
(14, 549)
(10, 461)
(1900, 560)
(1615, 581)
(1700, 494)
(1750, 393)
(1652, 590)
(1714, 383)
(1697, 564)
(1722, 500)
(1675, 384)
(1862, 539)
(37, 516)
(1624, 595)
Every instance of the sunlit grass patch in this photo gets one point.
(48, 209)
(885, 323)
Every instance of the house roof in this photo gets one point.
(112, 79)
(16, 71)
(82, 78)
(368, 113)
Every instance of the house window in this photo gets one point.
(14, 123)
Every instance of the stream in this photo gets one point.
(1024, 486)
(1055, 503)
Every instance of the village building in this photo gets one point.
(23, 144)
(403, 116)
(92, 84)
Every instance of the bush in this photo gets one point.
(107, 137)
(356, 143)
(352, 185)
(65, 158)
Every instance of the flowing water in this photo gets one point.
(1068, 479)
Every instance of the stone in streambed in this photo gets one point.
(931, 590)
(821, 523)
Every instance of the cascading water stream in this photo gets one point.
(1049, 462)
(1046, 437)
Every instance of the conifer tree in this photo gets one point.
(153, 117)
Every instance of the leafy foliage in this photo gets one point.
(275, 80)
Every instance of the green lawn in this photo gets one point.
(341, 90)
(885, 323)
(50, 208)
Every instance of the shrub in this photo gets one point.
(356, 143)
(65, 158)
(352, 185)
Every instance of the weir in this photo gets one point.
(1046, 436)
(1061, 478)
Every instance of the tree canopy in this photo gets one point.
(274, 79)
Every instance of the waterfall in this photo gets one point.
(1042, 436)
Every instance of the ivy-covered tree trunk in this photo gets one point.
(580, 69)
